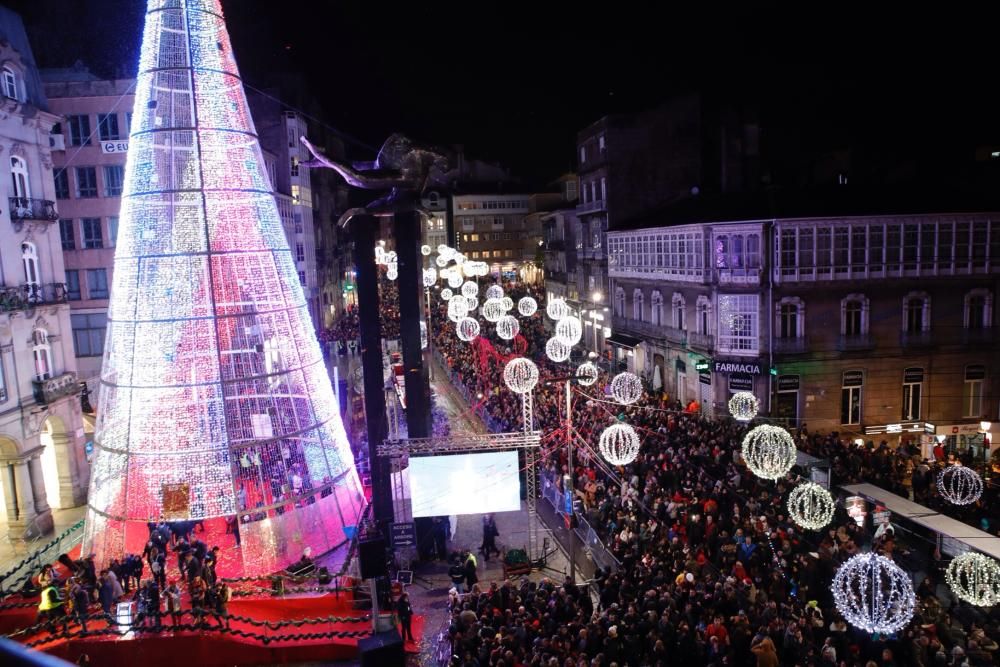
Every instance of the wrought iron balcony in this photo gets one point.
(650, 330)
(701, 341)
(791, 345)
(31, 295)
(856, 343)
(24, 209)
(592, 206)
(52, 389)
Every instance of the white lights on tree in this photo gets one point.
(493, 310)
(743, 406)
(425, 250)
(520, 375)
(507, 327)
(446, 294)
(458, 308)
(960, 485)
(569, 330)
(527, 306)
(587, 374)
(626, 388)
(467, 329)
(769, 451)
(470, 289)
(430, 277)
(874, 594)
(974, 578)
(811, 506)
(508, 303)
(556, 350)
(494, 292)
(556, 309)
(619, 444)
(455, 279)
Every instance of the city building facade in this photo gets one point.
(491, 228)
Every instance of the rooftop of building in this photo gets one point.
(79, 81)
(13, 33)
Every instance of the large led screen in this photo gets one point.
(465, 484)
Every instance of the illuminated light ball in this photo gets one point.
(470, 289)
(423, 335)
(569, 330)
(769, 451)
(619, 444)
(455, 279)
(430, 277)
(508, 303)
(441, 261)
(743, 406)
(974, 578)
(392, 272)
(467, 329)
(494, 292)
(960, 485)
(470, 270)
(874, 594)
(626, 388)
(587, 374)
(507, 327)
(446, 294)
(811, 506)
(425, 250)
(390, 257)
(556, 309)
(445, 251)
(493, 310)
(458, 308)
(556, 350)
(473, 303)
(459, 258)
(521, 375)
(527, 306)
(484, 269)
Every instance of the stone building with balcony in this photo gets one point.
(43, 464)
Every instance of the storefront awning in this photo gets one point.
(622, 340)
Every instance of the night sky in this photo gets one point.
(513, 82)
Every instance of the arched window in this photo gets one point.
(679, 307)
(656, 308)
(916, 312)
(11, 84)
(19, 176)
(854, 315)
(32, 279)
(619, 302)
(637, 305)
(43, 354)
(704, 311)
(978, 309)
(791, 313)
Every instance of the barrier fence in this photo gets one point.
(600, 554)
(15, 578)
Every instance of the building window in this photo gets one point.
(852, 384)
(655, 303)
(791, 318)
(854, 315)
(300, 252)
(619, 302)
(291, 137)
(42, 352)
(62, 184)
(79, 130)
(679, 306)
(916, 312)
(737, 251)
(295, 166)
(978, 309)
(600, 143)
(972, 396)
(637, 305)
(112, 231)
(66, 234)
(86, 182)
(73, 285)
(913, 382)
(3, 382)
(19, 176)
(11, 85)
(32, 278)
(704, 310)
(90, 232)
(128, 121)
(583, 154)
(97, 283)
(114, 177)
(302, 278)
(89, 333)
(107, 126)
(738, 323)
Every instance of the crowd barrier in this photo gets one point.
(15, 578)
(600, 554)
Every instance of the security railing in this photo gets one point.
(600, 554)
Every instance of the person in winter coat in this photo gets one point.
(767, 655)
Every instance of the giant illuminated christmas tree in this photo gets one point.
(215, 404)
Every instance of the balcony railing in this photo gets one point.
(52, 389)
(22, 209)
(650, 330)
(24, 297)
(856, 343)
(701, 341)
(739, 276)
(592, 206)
(915, 339)
(791, 345)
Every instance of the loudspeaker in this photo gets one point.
(371, 553)
(384, 649)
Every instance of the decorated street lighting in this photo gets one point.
(769, 451)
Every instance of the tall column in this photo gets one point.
(22, 487)
(410, 283)
(38, 485)
(9, 491)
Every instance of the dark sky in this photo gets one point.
(515, 81)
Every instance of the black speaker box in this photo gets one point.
(383, 649)
(371, 553)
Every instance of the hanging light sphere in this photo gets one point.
(467, 328)
(960, 485)
(392, 272)
(446, 294)
(587, 374)
(556, 309)
(521, 375)
(483, 269)
(527, 306)
(507, 327)
(459, 258)
(494, 292)
(458, 308)
(743, 406)
(455, 280)
(425, 250)
(493, 310)
(769, 451)
(441, 261)
(473, 302)
(470, 289)
(626, 388)
(974, 578)
(556, 350)
(423, 335)
(874, 594)
(619, 444)
(811, 506)
(508, 303)
(445, 251)
(569, 330)
(430, 277)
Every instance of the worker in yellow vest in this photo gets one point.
(51, 608)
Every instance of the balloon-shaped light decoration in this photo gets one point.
(473, 303)
(423, 335)
(769, 451)
(586, 374)
(467, 328)
(626, 388)
(556, 350)
(508, 303)
(556, 309)
(493, 310)
(874, 594)
(425, 250)
(619, 444)
(743, 406)
(521, 375)
(445, 251)
(527, 306)
(459, 258)
(811, 506)
(483, 269)
(494, 292)
(455, 279)
(430, 277)
(441, 261)
(392, 272)
(569, 330)
(470, 289)
(446, 294)
(458, 308)
(974, 578)
(960, 485)
(507, 327)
